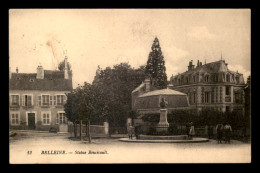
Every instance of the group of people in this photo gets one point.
(190, 130)
(223, 132)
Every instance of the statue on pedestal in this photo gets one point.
(163, 103)
(163, 124)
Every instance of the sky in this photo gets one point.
(106, 37)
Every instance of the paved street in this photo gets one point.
(40, 148)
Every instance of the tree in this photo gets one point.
(155, 67)
(79, 105)
(112, 88)
(62, 66)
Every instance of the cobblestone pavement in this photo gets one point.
(58, 148)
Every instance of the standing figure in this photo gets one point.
(227, 131)
(192, 130)
(219, 129)
(188, 127)
(129, 131)
(136, 129)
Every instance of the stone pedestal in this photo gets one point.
(163, 124)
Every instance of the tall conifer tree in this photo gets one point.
(155, 67)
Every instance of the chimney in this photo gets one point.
(200, 63)
(40, 72)
(17, 70)
(190, 67)
(147, 84)
(66, 71)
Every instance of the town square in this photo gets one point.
(129, 86)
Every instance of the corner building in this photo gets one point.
(36, 100)
(211, 85)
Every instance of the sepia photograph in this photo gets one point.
(142, 86)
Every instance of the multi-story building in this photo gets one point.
(36, 100)
(211, 85)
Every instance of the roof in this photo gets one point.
(138, 88)
(213, 67)
(53, 81)
(162, 92)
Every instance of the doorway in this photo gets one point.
(31, 121)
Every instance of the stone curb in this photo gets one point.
(195, 140)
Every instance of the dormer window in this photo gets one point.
(31, 80)
(237, 79)
(206, 78)
(179, 81)
(228, 78)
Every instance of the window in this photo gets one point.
(237, 79)
(216, 78)
(194, 97)
(206, 78)
(54, 100)
(220, 95)
(207, 97)
(15, 118)
(14, 100)
(228, 78)
(39, 100)
(46, 118)
(62, 118)
(238, 98)
(212, 96)
(60, 99)
(50, 100)
(194, 79)
(227, 90)
(45, 100)
(27, 100)
(216, 94)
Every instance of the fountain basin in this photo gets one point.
(194, 140)
(155, 137)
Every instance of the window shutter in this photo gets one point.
(64, 99)
(23, 99)
(50, 100)
(57, 119)
(31, 100)
(19, 100)
(39, 100)
(54, 100)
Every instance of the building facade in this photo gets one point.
(211, 85)
(36, 100)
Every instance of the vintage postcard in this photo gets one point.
(129, 86)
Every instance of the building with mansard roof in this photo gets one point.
(36, 100)
(211, 85)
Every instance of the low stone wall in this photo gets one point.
(94, 129)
